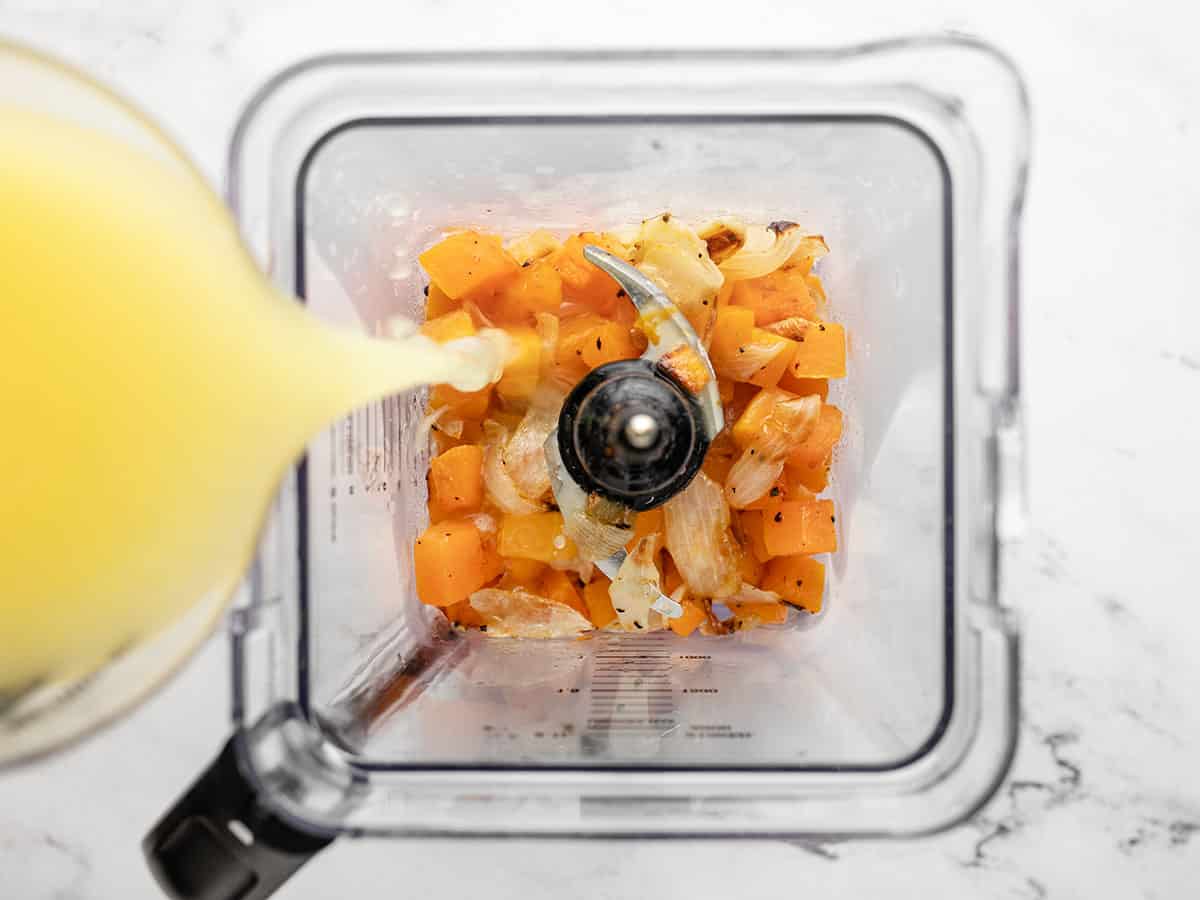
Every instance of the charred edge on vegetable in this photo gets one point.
(782, 227)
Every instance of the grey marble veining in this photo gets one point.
(1104, 799)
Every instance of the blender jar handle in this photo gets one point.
(219, 842)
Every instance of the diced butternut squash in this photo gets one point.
(734, 328)
(750, 566)
(463, 614)
(799, 580)
(468, 263)
(520, 377)
(795, 527)
(560, 587)
(599, 604)
(753, 532)
(450, 327)
(537, 289)
(769, 349)
(602, 343)
(780, 351)
(758, 422)
(456, 479)
(647, 523)
(465, 431)
(725, 294)
(568, 354)
(790, 485)
(779, 295)
(692, 618)
(743, 396)
(815, 478)
(804, 387)
(526, 572)
(716, 466)
(820, 352)
(510, 420)
(438, 302)
(751, 614)
(743, 352)
(581, 281)
(537, 536)
(725, 388)
(468, 405)
(814, 451)
(451, 562)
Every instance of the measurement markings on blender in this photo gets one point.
(631, 691)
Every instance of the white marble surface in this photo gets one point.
(1104, 800)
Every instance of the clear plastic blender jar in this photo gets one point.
(893, 712)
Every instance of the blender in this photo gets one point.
(357, 712)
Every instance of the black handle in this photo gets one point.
(219, 843)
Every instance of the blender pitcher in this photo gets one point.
(358, 712)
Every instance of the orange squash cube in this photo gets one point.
(468, 263)
(450, 562)
(599, 604)
(601, 343)
(649, 522)
(717, 465)
(537, 289)
(820, 352)
(789, 485)
(815, 450)
(799, 580)
(804, 387)
(815, 478)
(461, 405)
(520, 377)
(526, 573)
(438, 302)
(754, 613)
(769, 374)
(560, 587)
(693, 617)
(750, 567)
(752, 530)
(795, 527)
(456, 479)
(463, 614)
(537, 536)
(450, 327)
(778, 295)
(581, 281)
(757, 420)
(734, 329)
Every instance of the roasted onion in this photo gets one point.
(518, 613)
(766, 248)
(698, 538)
(500, 486)
(636, 587)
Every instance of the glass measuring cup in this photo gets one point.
(43, 716)
(162, 385)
